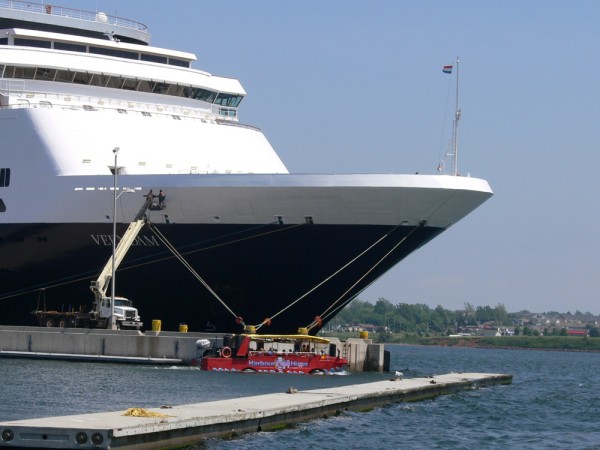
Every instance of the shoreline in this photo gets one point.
(476, 343)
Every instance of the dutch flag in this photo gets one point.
(447, 69)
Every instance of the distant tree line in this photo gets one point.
(420, 318)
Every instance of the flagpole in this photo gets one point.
(455, 126)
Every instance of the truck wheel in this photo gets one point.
(48, 322)
(62, 322)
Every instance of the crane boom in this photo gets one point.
(100, 285)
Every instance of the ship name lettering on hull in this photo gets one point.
(140, 241)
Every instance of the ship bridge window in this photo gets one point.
(65, 76)
(4, 177)
(2, 206)
(3, 41)
(32, 43)
(160, 88)
(83, 78)
(178, 62)
(144, 86)
(129, 84)
(45, 74)
(200, 94)
(108, 81)
(232, 100)
(103, 80)
(114, 52)
(114, 82)
(25, 72)
(154, 58)
(70, 47)
(176, 90)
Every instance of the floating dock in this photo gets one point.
(168, 427)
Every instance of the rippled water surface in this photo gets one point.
(553, 403)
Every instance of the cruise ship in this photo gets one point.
(236, 240)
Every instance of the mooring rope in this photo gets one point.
(328, 278)
(330, 311)
(187, 265)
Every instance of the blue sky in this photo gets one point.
(346, 86)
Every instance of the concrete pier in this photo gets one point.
(99, 345)
(150, 347)
(189, 424)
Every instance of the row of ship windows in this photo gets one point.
(68, 46)
(119, 82)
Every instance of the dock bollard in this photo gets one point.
(183, 328)
(156, 325)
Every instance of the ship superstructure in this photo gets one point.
(75, 84)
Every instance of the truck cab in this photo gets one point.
(126, 315)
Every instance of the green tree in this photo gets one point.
(469, 314)
(383, 312)
(357, 312)
(501, 314)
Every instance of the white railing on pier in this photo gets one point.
(44, 8)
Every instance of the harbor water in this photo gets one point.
(553, 403)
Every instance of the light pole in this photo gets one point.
(113, 324)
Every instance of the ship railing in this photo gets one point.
(220, 121)
(72, 13)
(70, 101)
(42, 99)
(15, 87)
(280, 353)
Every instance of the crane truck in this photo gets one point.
(126, 316)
